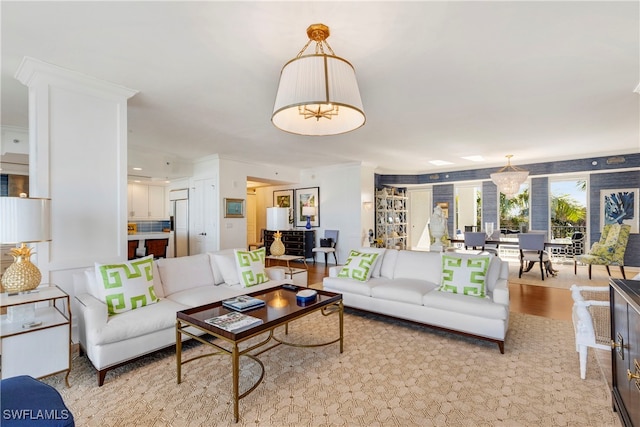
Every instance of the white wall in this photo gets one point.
(78, 158)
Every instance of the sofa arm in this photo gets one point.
(333, 271)
(501, 292)
(275, 273)
(92, 317)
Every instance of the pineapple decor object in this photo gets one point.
(277, 247)
(22, 275)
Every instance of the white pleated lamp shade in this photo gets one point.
(24, 220)
(318, 82)
(277, 219)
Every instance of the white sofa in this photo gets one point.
(404, 284)
(180, 283)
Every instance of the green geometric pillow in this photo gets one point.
(250, 266)
(126, 286)
(464, 275)
(359, 266)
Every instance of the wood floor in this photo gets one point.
(538, 300)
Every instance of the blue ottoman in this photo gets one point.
(26, 401)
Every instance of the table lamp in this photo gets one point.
(23, 220)
(308, 211)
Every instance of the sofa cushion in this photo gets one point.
(359, 266)
(226, 262)
(418, 265)
(410, 291)
(127, 285)
(389, 263)
(142, 321)
(377, 266)
(250, 265)
(464, 275)
(338, 284)
(202, 295)
(218, 278)
(458, 303)
(185, 272)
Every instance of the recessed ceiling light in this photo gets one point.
(474, 158)
(137, 169)
(440, 162)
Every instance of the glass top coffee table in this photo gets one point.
(281, 307)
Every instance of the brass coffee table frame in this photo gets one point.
(327, 303)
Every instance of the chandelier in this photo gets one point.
(318, 93)
(509, 178)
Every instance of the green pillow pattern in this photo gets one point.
(464, 275)
(126, 286)
(359, 266)
(250, 265)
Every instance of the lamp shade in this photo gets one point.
(308, 211)
(277, 219)
(24, 220)
(318, 95)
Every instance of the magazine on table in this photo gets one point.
(243, 303)
(234, 321)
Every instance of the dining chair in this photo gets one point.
(327, 246)
(531, 246)
(156, 247)
(591, 321)
(132, 247)
(474, 240)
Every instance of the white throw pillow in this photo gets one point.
(359, 266)
(464, 275)
(250, 266)
(227, 264)
(186, 272)
(127, 285)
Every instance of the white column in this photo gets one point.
(78, 158)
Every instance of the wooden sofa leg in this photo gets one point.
(101, 375)
(589, 271)
(501, 346)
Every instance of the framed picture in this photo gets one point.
(233, 208)
(284, 199)
(619, 206)
(445, 208)
(305, 198)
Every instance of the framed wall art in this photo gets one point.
(284, 199)
(307, 197)
(233, 208)
(619, 207)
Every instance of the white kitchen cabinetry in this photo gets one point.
(147, 201)
(36, 333)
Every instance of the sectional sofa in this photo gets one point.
(407, 285)
(110, 341)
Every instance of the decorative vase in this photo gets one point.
(277, 247)
(22, 275)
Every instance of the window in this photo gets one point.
(568, 207)
(468, 207)
(514, 212)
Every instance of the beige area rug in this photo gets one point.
(566, 277)
(391, 374)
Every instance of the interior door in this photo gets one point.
(420, 202)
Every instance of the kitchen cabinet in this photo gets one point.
(147, 201)
(625, 354)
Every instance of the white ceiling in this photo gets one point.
(439, 80)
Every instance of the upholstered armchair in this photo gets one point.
(608, 251)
